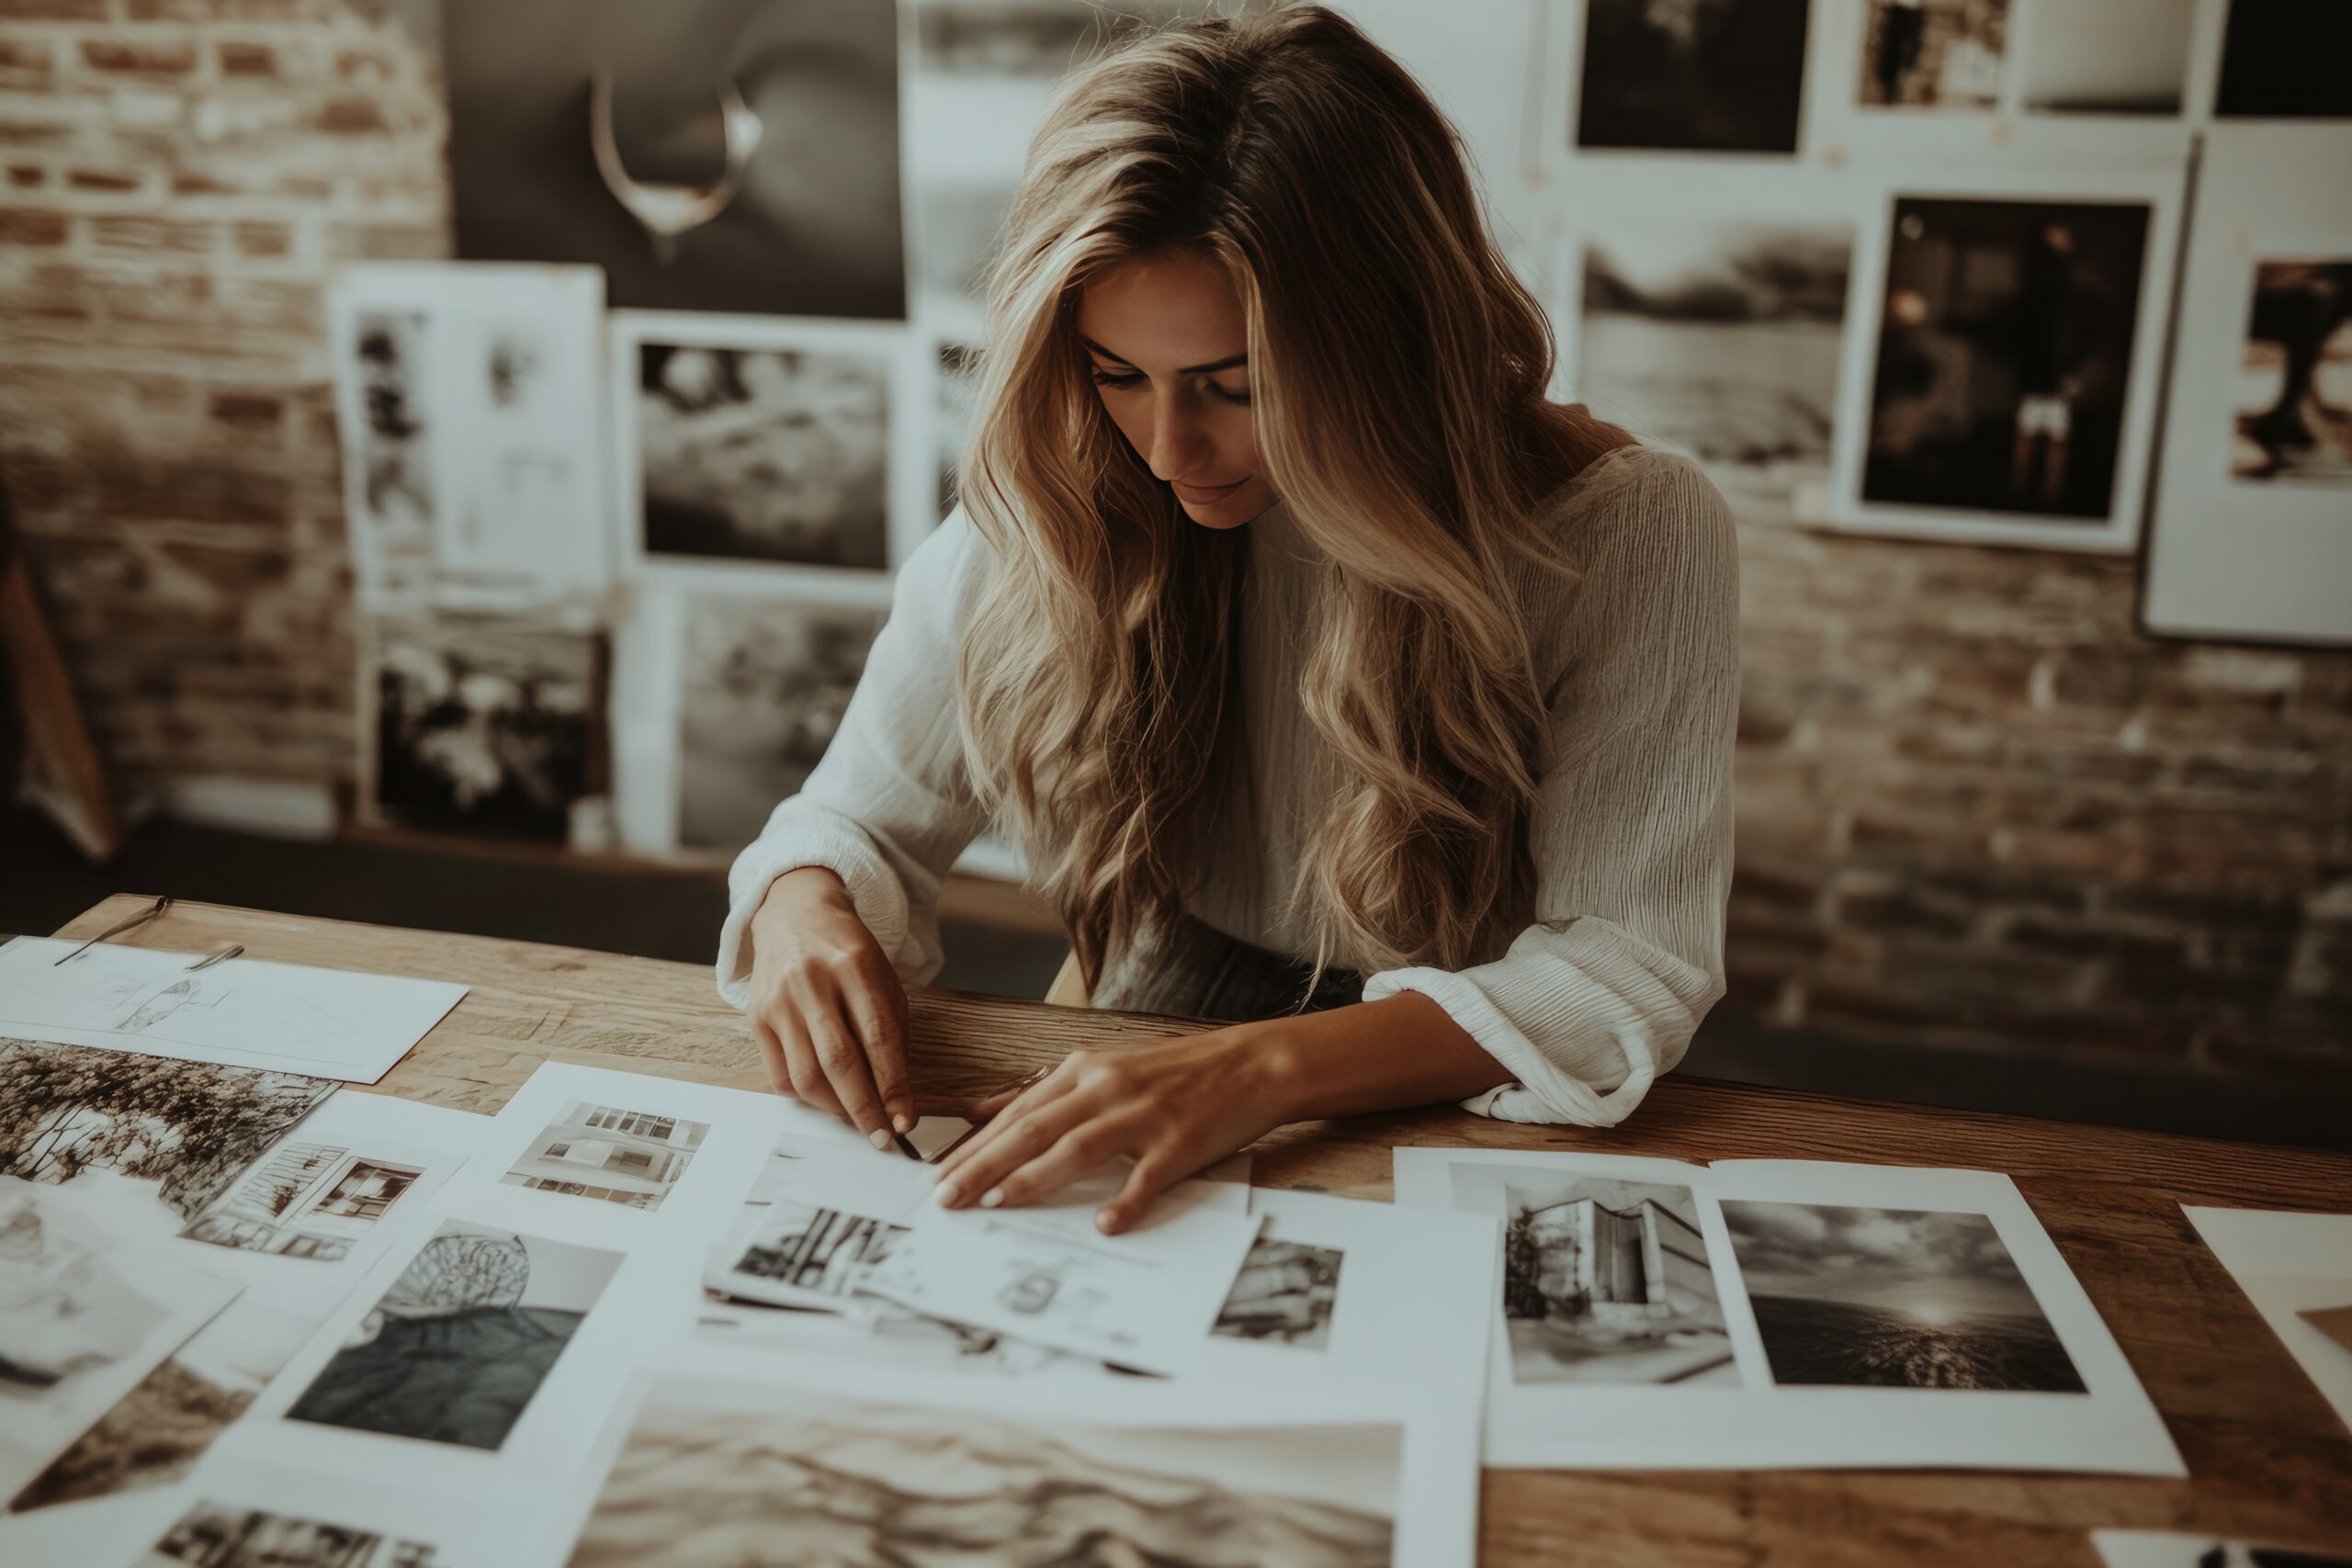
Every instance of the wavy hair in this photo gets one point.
(1398, 372)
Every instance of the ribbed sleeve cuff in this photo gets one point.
(1578, 1008)
(811, 836)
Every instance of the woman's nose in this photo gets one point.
(1177, 443)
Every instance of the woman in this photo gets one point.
(1334, 682)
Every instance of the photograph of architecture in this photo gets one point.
(1609, 1281)
(606, 1151)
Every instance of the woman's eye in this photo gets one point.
(1240, 398)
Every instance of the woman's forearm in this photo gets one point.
(1402, 1049)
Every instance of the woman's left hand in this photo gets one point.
(1175, 1107)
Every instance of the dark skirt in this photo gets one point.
(1191, 969)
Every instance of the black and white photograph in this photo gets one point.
(1691, 75)
(772, 454)
(2004, 355)
(2293, 422)
(485, 723)
(314, 1200)
(1284, 1294)
(1721, 339)
(809, 1257)
(1609, 1281)
(956, 390)
(84, 1314)
(765, 684)
(1934, 54)
(210, 1536)
(454, 1350)
(2285, 60)
(155, 1434)
(2108, 57)
(397, 485)
(1892, 1298)
(726, 155)
(610, 1153)
(147, 1142)
(716, 1476)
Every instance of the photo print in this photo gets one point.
(1609, 1281)
(717, 1475)
(610, 1153)
(392, 488)
(155, 1434)
(955, 390)
(485, 723)
(305, 1200)
(2293, 420)
(810, 1258)
(726, 155)
(766, 454)
(2108, 57)
(210, 1536)
(454, 1348)
(2004, 355)
(764, 689)
(1934, 54)
(1892, 1298)
(2165, 1548)
(1721, 339)
(1699, 75)
(1285, 1294)
(2285, 60)
(84, 1314)
(148, 1142)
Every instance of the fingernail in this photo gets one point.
(902, 1123)
(993, 1198)
(947, 1194)
(880, 1139)
(1105, 1222)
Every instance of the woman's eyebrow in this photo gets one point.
(1228, 363)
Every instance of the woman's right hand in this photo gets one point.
(827, 1007)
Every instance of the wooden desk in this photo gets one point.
(2267, 1458)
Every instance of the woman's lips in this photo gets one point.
(1216, 492)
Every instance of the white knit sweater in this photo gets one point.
(1631, 836)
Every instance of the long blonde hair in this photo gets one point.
(1398, 372)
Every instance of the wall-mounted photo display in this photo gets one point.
(2284, 60)
(1649, 75)
(956, 390)
(466, 408)
(485, 723)
(726, 698)
(731, 156)
(2093, 58)
(2005, 387)
(1933, 55)
(1706, 312)
(2251, 536)
(763, 441)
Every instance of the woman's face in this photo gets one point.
(1169, 350)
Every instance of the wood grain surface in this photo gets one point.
(2268, 1458)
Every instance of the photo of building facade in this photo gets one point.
(623, 1157)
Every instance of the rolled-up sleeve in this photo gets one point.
(1632, 831)
(891, 805)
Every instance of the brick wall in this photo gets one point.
(1975, 806)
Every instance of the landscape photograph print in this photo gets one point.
(728, 1476)
(457, 1346)
(1892, 1298)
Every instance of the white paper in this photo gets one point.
(2164, 1549)
(290, 1018)
(1145, 1298)
(82, 1319)
(1173, 1471)
(458, 1528)
(1875, 1282)
(468, 402)
(2287, 1263)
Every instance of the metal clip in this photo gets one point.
(141, 918)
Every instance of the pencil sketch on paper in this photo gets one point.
(155, 1434)
(305, 1200)
(1892, 1298)
(608, 1152)
(1285, 1293)
(132, 1131)
(209, 1536)
(458, 1344)
(726, 1477)
(1607, 1281)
